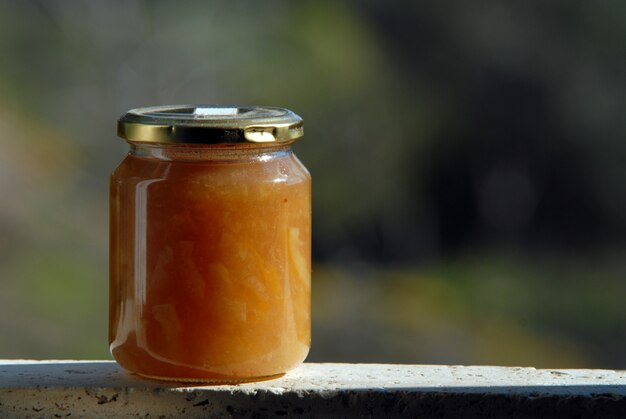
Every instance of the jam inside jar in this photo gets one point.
(210, 242)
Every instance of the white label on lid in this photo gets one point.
(216, 111)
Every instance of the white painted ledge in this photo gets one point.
(101, 389)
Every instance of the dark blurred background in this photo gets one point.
(467, 157)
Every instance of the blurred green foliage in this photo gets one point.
(467, 160)
(497, 308)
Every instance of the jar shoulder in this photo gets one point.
(283, 168)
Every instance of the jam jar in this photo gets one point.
(210, 244)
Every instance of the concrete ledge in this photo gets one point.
(102, 389)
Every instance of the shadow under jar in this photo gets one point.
(210, 243)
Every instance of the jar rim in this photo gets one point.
(210, 124)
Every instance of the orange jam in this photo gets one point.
(210, 261)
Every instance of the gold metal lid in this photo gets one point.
(210, 124)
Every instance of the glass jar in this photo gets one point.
(210, 242)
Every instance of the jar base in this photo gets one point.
(212, 381)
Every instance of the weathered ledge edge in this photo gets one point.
(101, 389)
